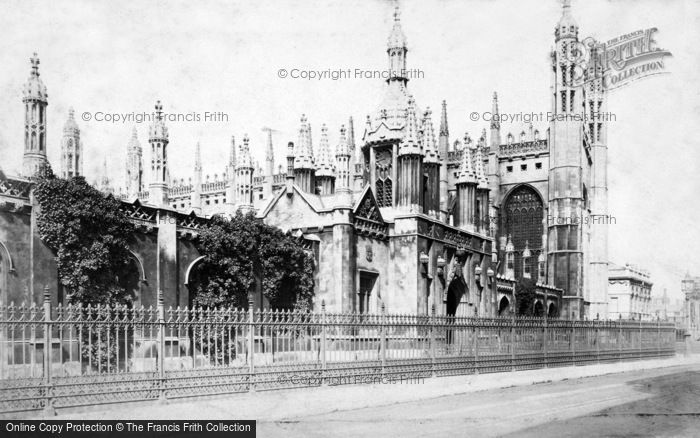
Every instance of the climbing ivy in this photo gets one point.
(239, 249)
(88, 234)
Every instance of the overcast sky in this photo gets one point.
(120, 58)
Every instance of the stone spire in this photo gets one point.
(444, 130)
(158, 138)
(396, 48)
(324, 164)
(231, 195)
(480, 174)
(431, 167)
(198, 159)
(351, 135)
(269, 155)
(134, 165)
(304, 156)
(71, 148)
(196, 193)
(467, 175)
(268, 173)
(105, 185)
(411, 141)
(495, 118)
(495, 129)
(567, 26)
(304, 166)
(443, 149)
(232, 153)
(430, 149)
(35, 101)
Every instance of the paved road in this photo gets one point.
(661, 402)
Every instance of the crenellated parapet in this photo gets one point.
(532, 147)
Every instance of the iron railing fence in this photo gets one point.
(71, 356)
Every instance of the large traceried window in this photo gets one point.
(383, 183)
(522, 217)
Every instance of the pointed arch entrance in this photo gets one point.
(503, 306)
(538, 310)
(455, 292)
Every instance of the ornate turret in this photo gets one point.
(35, 101)
(389, 121)
(565, 259)
(396, 48)
(479, 172)
(244, 177)
(134, 166)
(567, 27)
(464, 213)
(304, 166)
(289, 180)
(158, 138)
(325, 165)
(526, 259)
(510, 258)
(344, 174)
(482, 188)
(410, 164)
(492, 172)
(231, 194)
(443, 149)
(71, 148)
(467, 174)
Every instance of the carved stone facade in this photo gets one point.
(405, 218)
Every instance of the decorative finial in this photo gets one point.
(159, 109)
(35, 64)
(47, 294)
(397, 13)
(71, 113)
(566, 4)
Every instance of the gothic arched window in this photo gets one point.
(523, 212)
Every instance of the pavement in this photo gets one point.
(566, 401)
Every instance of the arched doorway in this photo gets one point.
(503, 306)
(455, 292)
(538, 310)
(194, 277)
(130, 279)
(552, 311)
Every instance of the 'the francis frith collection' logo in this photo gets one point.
(619, 61)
